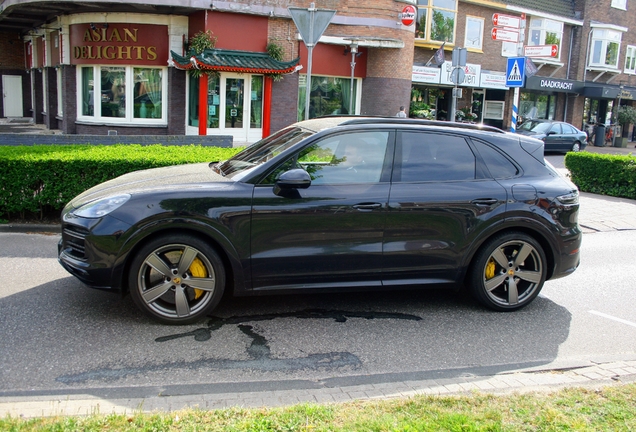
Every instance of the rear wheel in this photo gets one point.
(576, 147)
(176, 279)
(508, 272)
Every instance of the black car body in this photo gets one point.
(558, 136)
(430, 204)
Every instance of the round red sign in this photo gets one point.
(408, 15)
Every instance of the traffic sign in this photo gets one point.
(541, 51)
(506, 20)
(515, 71)
(501, 34)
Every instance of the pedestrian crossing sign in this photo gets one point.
(515, 71)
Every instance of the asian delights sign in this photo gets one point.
(136, 44)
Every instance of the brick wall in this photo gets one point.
(11, 51)
(384, 96)
(284, 102)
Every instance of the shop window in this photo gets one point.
(214, 101)
(474, 33)
(126, 94)
(328, 96)
(256, 105)
(536, 106)
(630, 60)
(494, 110)
(147, 93)
(436, 20)
(545, 32)
(605, 47)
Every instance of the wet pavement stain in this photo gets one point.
(204, 334)
(258, 351)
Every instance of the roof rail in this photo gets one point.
(401, 120)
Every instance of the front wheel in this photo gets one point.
(508, 272)
(176, 279)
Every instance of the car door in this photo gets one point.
(441, 198)
(329, 234)
(554, 138)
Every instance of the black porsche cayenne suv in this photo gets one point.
(335, 203)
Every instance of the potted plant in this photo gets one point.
(626, 116)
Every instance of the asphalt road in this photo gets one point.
(60, 337)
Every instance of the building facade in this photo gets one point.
(99, 67)
(578, 56)
(102, 67)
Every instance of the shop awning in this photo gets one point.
(234, 61)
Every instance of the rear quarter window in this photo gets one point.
(498, 164)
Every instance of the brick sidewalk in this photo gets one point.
(594, 374)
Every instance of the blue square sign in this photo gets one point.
(515, 72)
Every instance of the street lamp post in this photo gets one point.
(620, 94)
(354, 52)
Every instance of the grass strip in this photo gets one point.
(576, 409)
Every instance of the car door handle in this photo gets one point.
(367, 206)
(485, 201)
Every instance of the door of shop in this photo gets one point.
(236, 107)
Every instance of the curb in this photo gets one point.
(30, 228)
(593, 375)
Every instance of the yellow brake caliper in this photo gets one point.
(197, 269)
(490, 269)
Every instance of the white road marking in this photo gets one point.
(620, 320)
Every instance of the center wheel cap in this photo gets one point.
(511, 272)
(176, 280)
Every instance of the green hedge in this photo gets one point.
(40, 180)
(613, 175)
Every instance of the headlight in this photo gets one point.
(569, 199)
(101, 207)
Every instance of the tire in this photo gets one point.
(500, 280)
(576, 147)
(176, 279)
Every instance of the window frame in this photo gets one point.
(545, 27)
(480, 21)
(619, 4)
(630, 60)
(129, 117)
(604, 41)
(427, 9)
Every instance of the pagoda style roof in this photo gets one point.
(234, 61)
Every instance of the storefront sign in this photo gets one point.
(493, 80)
(137, 44)
(471, 78)
(553, 84)
(423, 74)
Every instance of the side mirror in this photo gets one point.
(296, 178)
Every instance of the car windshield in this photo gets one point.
(538, 127)
(262, 151)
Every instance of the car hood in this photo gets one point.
(165, 178)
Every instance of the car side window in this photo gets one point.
(498, 165)
(356, 157)
(556, 128)
(567, 129)
(425, 156)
